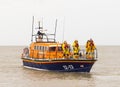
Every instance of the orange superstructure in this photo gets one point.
(45, 50)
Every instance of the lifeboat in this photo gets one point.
(45, 53)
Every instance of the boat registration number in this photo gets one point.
(68, 67)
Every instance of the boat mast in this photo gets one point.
(32, 29)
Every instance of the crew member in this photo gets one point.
(76, 47)
(91, 48)
(40, 34)
(87, 46)
(66, 49)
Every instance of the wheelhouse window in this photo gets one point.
(60, 49)
(52, 48)
(40, 48)
(35, 47)
(45, 48)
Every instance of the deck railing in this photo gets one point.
(89, 55)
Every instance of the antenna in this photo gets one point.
(39, 25)
(32, 29)
(55, 30)
(42, 22)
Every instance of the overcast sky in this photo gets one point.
(78, 19)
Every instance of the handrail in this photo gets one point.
(84, 55)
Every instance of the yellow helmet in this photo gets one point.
(76, 41)
(65, 42)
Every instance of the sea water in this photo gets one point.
(105, 72)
